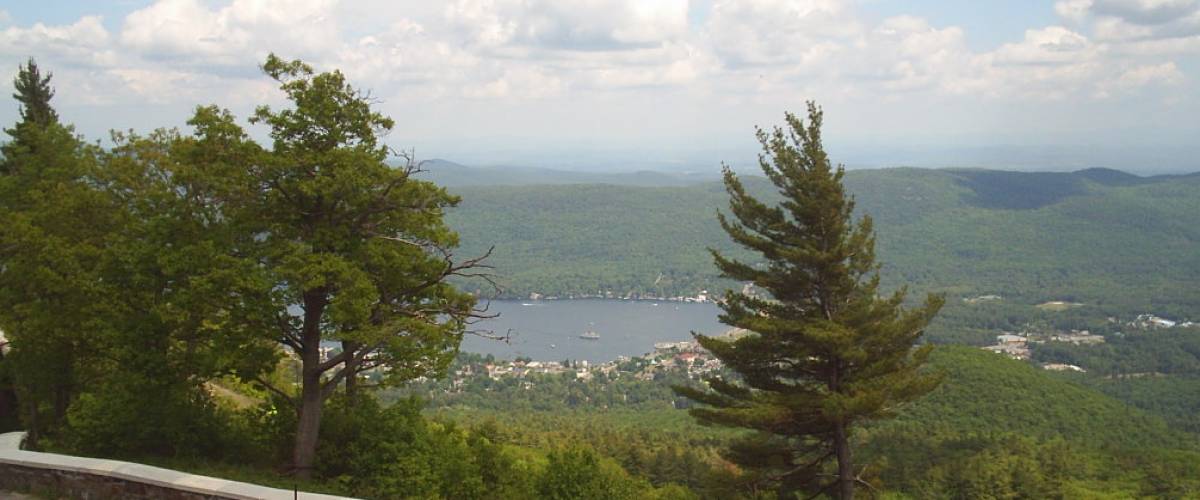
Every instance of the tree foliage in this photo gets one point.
(336, 244)
(825, 352)
(54, 225)
(172, 260)
(33, 93)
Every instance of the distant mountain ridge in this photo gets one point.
(453, 174)
(1093, 236)
(448, 173)
(1017, 190)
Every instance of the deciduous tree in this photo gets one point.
(353, 250)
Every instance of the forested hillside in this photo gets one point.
(996, 425)
(1098, 237)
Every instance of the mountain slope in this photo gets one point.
(990, 393)
(1090, 236)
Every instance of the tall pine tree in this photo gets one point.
(823, 351)
(52, 227)
(33, 92)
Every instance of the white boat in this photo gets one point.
(590, 335)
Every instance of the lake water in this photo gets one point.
(549, 330)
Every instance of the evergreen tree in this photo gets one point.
(34, 94)
(823, 351)
(52, 226)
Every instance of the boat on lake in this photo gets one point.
(590, 335)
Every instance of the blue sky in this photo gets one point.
(990, 23)
(665, 84)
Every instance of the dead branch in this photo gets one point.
(491, 335)
(267, 385)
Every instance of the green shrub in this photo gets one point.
(579, 473)
(395, 453)
(133, 416)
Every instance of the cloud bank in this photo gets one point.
(466, 63)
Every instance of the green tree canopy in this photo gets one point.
(824, 351)
(53, 223)
(347, 247)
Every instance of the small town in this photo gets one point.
(685, 357)
(700, 297)
(1017, 345)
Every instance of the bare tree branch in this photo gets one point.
(491, 335)
(267, 385)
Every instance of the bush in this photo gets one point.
(132, 416)
(578, 473)
(395, 452)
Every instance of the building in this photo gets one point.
(1062, 367)
(1078, 337)
(1011, 350)
(1015, 346)
(1010, 339)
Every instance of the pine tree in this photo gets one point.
(823, 351)
(51, 231)
(34, 94)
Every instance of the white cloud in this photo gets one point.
(159, 85)
(404, 56)
(569, 25)
(84, 42)
(1049, 45)
(912, 55)
(1166, 73)
(1155, 47)
(188, 32)
(545, 48)
(1073, 10)
(1164, 23)
(518, 83)
(479, 58)
(772, 32)
(1146, 12)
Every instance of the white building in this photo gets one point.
(1009, 338)
(1062, 367)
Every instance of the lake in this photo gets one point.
(549, 330)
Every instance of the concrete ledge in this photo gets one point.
(80, 477)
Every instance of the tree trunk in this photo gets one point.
(62, 400)
(351, 385)
(32, 433)
(351, 370)
(10, 406)
(845, 466)
(309, 423)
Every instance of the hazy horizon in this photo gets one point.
(1029, 158)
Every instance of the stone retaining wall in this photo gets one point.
(94, 479)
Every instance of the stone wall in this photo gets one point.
(98, 479)
(73, 484)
